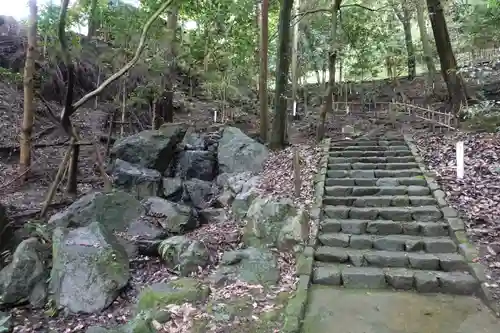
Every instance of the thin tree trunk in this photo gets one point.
(332, 56)
(405, 18)
(170, 54)
(295, 64)
(454, 82)
(424, 37)
(28, 114)
(278, 136)
(264, 36)
(92, 21)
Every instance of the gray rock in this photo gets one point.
(238, 153)
(275, 223)
(115, 210)
(200, 164)
(251, 265)
(25, 277)
(198, 193)
(89, 269)
(152, 149)
(173, 217)
(184, 254)
(172, 188)
(145, 234)
(245, 197)
(213, 215)
(138, 181)
(6, 232)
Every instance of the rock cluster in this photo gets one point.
(167, 182)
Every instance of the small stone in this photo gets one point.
(458, 283)
(423, 261)
(361, 242)
(426, 282)
(440, 245)
(329, 275)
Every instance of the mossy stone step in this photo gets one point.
(374, 173)
(359, 191)
(383, 159)
(372, 148)
(380, 201)
(457, 283)
(398, 243)
(372, 166)
(447, 262)
(369, 153)
(385, 227)
(389, 181)
(423, 213)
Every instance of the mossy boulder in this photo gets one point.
(115, 211)
(183, 290)
(25, 277)
(252, 265)
(184, 255)
(90, 268)
(275, 223)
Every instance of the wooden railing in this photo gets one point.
(435, 118)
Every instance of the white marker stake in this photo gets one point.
(294, 110)
(215, 116)
(347, 110)
(460, 160)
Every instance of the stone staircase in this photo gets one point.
(381, 226)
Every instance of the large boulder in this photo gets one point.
(90, 268)
(151, 149)
(198, 193)
(145, 234)
(173, 217)
(184, 254)
(277, 223)
(199, 164)
(238, 153)
(172, 188)
(251, 265)
(247, 194)
(138, 181)
(25, 277)
(115, 210)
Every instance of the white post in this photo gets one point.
(294, 110)
(215, 116)
(347, 110)
(460, 159)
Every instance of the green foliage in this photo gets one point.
(10, 77)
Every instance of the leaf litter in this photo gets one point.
(477, 196)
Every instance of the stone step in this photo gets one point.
(390, 181)
(365, 143)
(380, 173)
(398, 243)
(372, 166)
(359, 191)
(385, 227)
(458, 283)
(389, 159)
(366, 148)
(448, 262)
(423, 213)
(380, 201)
(369, 153)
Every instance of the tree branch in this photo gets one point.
(131, 63)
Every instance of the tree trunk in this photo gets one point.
(92, 21)
(295, 63)
(29, 108)
(264, 36)
(405, 18)
(454, 82)
(332, 56)
(278, 136)
(167, 98)
(424, 37)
